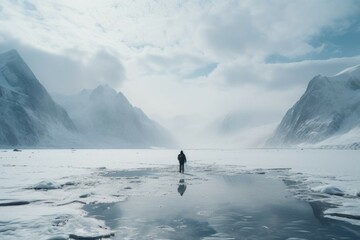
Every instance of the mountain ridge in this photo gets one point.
(28, 111)
(329, 107)
(106, 116)
(103, 116)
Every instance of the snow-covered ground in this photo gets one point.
(43, 192)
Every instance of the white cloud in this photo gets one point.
(226, 28)
(181, 57)
(278, 76)
(70, 72)
(255, 29)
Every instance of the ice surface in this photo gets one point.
(89, 179)
(215, 207)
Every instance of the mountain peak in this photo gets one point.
(9, 56)
(103, 92)
(29, 114)
(329, 107)
(12, 52)
(104, 89)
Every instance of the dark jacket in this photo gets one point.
(182, 158)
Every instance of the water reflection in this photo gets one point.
(182, 187)
(220, 207)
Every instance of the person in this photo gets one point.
(182, 161)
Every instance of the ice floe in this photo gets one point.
(328, 189)
(46, 185)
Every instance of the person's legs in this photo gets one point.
(182, 168)
(179, 167)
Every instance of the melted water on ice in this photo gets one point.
(218, 207)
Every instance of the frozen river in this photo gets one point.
(138, 194)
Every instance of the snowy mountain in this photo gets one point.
(29, 116)
(328, 113)
(108, 120)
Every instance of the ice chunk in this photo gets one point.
(70, 183)
(328, 189)
(58, 238)
(88, 228)
(46, 185)
(94, 237)
(86, 195)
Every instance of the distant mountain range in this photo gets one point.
(107, 119)
(101, 118)
(327, 115)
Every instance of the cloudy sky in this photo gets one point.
(223, 67)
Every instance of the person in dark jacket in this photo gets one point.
(182, 161)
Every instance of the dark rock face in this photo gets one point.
(27, 110)
(329, 107)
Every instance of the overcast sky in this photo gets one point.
(232, 66)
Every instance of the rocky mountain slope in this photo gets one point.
(29, 116)
(328, 113)
(101, 118)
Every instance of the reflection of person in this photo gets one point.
(182, 161)
(182, 187)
